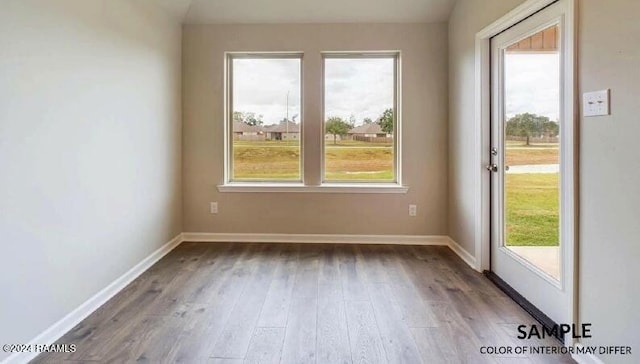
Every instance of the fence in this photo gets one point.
(361, 138)
(248, 138)
(545, 139)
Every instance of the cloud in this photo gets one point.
(363, 88)
(532, 84)
(261, 86)
(360, 87)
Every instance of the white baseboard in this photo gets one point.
(334, 239)
(55, 331)
(586, 358)
(317, 238)
(463, 254)
(67, 323)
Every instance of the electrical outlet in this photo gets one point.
(413, 210)
(213, 208)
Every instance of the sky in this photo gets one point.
(364, 87)
(261, 86)
(532, 84)
(359, 87)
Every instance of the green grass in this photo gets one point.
(517, 143)
(532, 204)
(532, 199)
(264, 162)
(345, 160)
(328, 143)
(523, 156)
(518, 153)
(363, 163)
(354, 143)
(382, 176)
(269, 143)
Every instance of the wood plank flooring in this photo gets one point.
(303, 303)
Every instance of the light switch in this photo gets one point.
(595, 103)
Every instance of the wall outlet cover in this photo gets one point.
(596, 103)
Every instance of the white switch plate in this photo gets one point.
(213, 208)
(413, 209)
(596, 103)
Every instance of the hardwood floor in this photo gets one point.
(303, 303)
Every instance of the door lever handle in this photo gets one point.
(492, 167)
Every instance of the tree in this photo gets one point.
(367, 121)
(352, 120)
(249, 118)
(238, 116)
(386, 121)
(551, 128)
(336, 126)
(531, 125)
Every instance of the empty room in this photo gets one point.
(297, 181)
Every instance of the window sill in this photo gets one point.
(324, 188)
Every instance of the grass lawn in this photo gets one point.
(532, 199)
(354, 143)
(523, 156)
(270, 143)
(352, 160)
(532, 209)
(517, 143)
(345, 160)
(518, 153)
(265, 161)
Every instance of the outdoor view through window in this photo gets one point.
(265, 112)
(359, 104)
(532, 149)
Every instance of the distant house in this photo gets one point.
(371, 130)
(286, 130)
(330, 137)
(244, 131)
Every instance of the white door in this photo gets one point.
(532, 161)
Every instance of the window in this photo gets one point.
(356, 114)
(264, 117)
(360, 103)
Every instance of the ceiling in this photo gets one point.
(308, 11)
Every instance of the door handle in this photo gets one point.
(492, 167)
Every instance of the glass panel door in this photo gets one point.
(531, 149)
(531, 161)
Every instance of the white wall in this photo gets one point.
(90, 140)
(609, 57)
(467, 18)
(424, 130)
(609, 235)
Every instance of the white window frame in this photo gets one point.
(228, 119)
(395, 55)
(301, 186)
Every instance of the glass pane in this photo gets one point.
(359, 119)
(532, 127)
(266, 119)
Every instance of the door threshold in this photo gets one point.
(532, 310)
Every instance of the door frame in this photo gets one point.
(569, 144)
